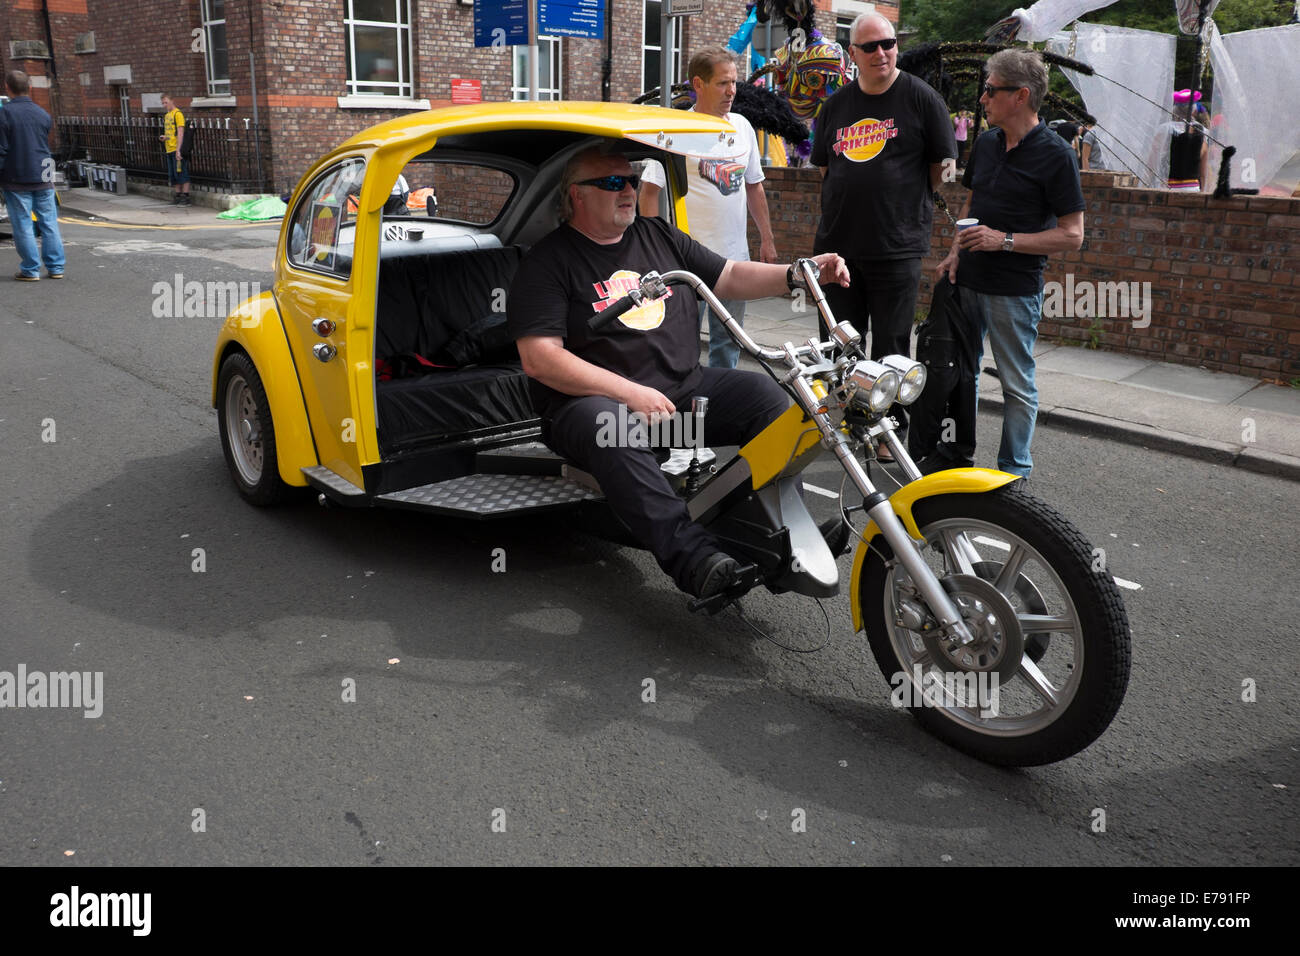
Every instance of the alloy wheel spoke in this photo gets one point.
(957, 551)
(1038, 681)
(1046, 623)
(1006, 580)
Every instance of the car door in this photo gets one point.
(329, 337)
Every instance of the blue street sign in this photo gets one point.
(500, 22)
(571, 18)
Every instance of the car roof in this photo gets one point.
(494, 128)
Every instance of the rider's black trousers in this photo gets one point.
(741, 404)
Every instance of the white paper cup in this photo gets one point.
(966, 223)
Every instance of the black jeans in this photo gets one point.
(741, 404)
(881, 298)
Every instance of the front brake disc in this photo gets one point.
(999, 643)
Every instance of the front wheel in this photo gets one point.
(1049, 665)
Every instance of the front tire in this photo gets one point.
(248, 433)
(1020, 572)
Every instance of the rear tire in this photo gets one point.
(248, 433)
(1055, 697)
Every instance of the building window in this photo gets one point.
(844, 37)
(216, 56)
(377, 34)
(652, 46)
(548, 70)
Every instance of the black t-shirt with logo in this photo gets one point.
(876, 197)
(567, 278)
(1024, 189)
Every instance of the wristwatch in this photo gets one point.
(1008, 244)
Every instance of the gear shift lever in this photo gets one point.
(699, 407)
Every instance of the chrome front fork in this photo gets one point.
(882, 513)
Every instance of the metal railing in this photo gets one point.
(230, 154)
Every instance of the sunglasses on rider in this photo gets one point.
(990, 90)
(872, 45)
(612, 184)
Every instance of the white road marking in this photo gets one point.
(1003, 546)
(821, 491)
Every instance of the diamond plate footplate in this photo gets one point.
(334, 482)
(487, 495)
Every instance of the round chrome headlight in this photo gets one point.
(875, 387)
(912, 375)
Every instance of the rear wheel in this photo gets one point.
(247, 432)
(1050, 661)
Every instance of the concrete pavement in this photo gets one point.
(1214, 416)
(150, 207)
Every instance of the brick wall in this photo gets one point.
(55, 87)
(469, 193)
(1224, 274)
(299, 52)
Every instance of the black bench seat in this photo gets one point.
(424, 302)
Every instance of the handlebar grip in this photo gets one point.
(612, 312)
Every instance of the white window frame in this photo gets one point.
(546, 46)
(843, 22)
(404, 86)
(676, 27)
(217, 85)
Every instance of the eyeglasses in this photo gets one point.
(990, 90)
(612, 184)
(871, 46)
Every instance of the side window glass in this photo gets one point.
(324, 223)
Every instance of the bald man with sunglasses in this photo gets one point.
(644, 362)
(882, 143)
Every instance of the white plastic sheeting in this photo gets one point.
(1129, 121)
(1047, 16)
(1044, 18)
(1256, 87)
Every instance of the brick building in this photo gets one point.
(322, 69)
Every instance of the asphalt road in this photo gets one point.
(516, 698)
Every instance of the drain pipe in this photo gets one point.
(252, 77)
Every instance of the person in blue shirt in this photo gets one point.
(27, 180)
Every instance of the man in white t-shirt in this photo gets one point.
(720, 191)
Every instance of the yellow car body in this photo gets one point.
(324, 412)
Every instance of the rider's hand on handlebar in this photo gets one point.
(833, 268)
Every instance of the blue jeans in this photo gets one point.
(1011, 323)
(21, 204)
(723, 350)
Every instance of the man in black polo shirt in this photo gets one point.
(1025, 193)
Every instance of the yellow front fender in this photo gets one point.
(256, 329)
(952, 481)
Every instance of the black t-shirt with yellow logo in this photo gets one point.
(876, 197)
(567, 278)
